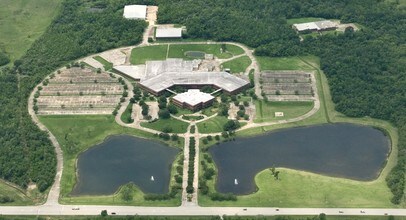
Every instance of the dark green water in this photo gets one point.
(338, 150)
(123, 159)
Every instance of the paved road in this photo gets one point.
(190, 211)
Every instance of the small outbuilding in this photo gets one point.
(168, 33)
(324, 25)
(135, 12)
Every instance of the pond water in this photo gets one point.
(338, 150)
(122, 159)
(195, 54)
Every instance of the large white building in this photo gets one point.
(316, 26)
(168, 33)
(135, 12)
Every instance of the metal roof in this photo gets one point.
(318, 25)
(135, 11)
(168, 33)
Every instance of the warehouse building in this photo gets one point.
(325, 25)
(168, 33)
(135, 12)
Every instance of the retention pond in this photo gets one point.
(337, 150)
(122, 159)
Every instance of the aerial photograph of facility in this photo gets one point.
(267, 109)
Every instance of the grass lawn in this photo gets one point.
(303, 20)
(213, 125)
(20, 196)
(282, 63)
(265, 111)
(303, 189)
(183, 111)
(210, 111)
(22, 22)
(178, 50)
(141, 54)
(76, 134)
(126, 116)
(238, 65)
(106, 64)
(175, 125)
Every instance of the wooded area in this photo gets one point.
(26, 154)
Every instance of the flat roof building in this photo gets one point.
(168, 33)
(230, 84)
(135, 12)
(193, 99)
(316, 26)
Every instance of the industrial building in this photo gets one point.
(135, 12)
(325, 25)
(162, 33)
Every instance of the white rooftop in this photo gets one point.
(135, 72)
(222, 80)
(193, 97)
(318, 25)
(135, 11)
(168, 33)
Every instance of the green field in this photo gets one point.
(22, 22)
(283, 63)
(175, 125)
(106, 64)
(140, 55)
(20, 196)
(212, 125)
(265, 111)
(303, 189)
(237, 65)
(303, 20)
(178, 50)
(78, 133)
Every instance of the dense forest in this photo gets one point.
(366, 69)
(81, 28)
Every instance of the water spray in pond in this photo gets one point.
(152, 178)
(235, 182)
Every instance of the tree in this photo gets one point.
(172, 109)
(231, 125)
(127, 192)
(164, 114)
(103, 213)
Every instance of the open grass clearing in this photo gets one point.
(212, 125)
(237, 65)
(179, 50)
(106, 64)
(140, 55)
(265, 111)
(172, 124)
(282, 63)
(22, 22)
(76, 134)
(303, 189)
(20, 196)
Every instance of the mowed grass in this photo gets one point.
(106, 64)
(265, 111)
(178, 50)
(140, 55)
(303, 20)
(237, 65)
(212, 125)
(303, 189)
(282, 63)
(175, 125)
(19, 196)
(22, 22)
(75, 134)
